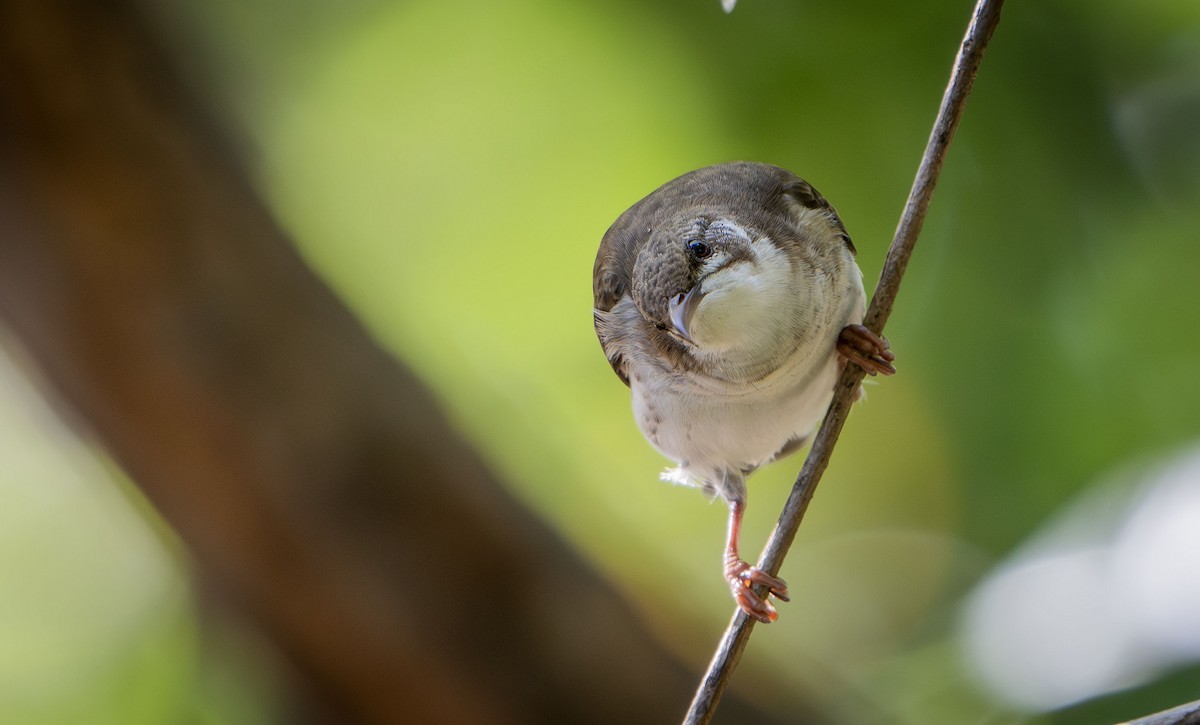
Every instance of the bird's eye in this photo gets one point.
(699, 250)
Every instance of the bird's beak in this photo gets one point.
(682, 307)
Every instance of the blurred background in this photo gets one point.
(1007, 531)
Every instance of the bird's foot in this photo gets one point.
(865, 349)
(742, 580)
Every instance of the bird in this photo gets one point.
(728, 300)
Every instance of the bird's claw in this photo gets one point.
(866, 349)
(742, 580)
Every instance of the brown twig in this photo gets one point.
(983, 23)
(1188, 714)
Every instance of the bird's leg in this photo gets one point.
(866, 350)
(743, 577)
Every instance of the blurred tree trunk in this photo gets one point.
(312, 477)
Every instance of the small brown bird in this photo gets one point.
(728, 300)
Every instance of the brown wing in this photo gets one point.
(612, 275)
(803, 193)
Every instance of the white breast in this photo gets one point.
(716, 429)
(740, 429)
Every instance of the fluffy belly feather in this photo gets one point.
(707, 433)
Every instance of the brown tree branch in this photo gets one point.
(966, 65)
(316, 483)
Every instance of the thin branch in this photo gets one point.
(983, 23)
(1188, 714)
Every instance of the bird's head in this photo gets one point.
(738, 288)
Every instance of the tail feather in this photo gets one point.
(730, 485)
